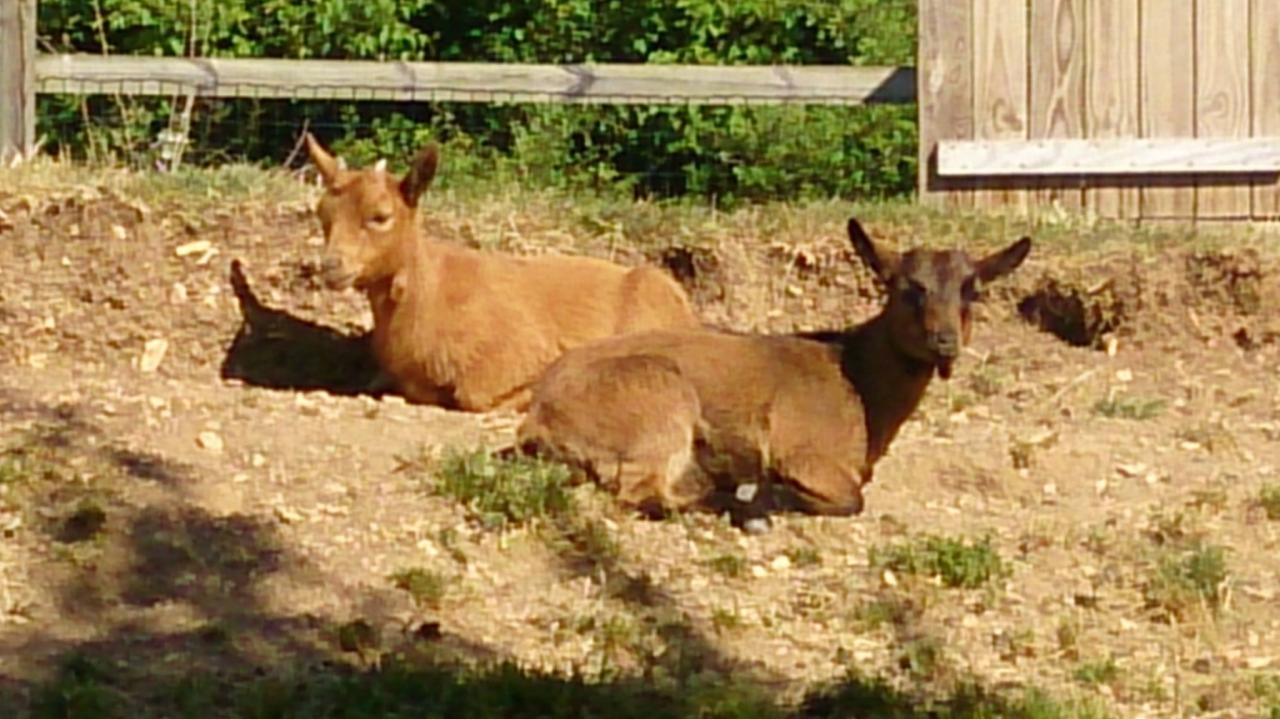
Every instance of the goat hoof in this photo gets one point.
(757, 525)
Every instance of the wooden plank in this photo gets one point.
(1266, 95)
(1168, 99)
(945, 61)
(1222, 96)
(1111, 92)
(17, 77)
(1117, 156)
(476, 82)
(1057, 85)
(1000, 84)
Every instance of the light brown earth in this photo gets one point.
(244, 524)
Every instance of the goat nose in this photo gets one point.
(945, 343)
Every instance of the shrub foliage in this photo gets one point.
(729, 152)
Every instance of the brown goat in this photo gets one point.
(464, 328)
(654, 416)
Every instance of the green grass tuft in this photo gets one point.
(504, 492)
(1186, 579)
(427, 588)
(1134, 408)
(958, 563)
(1269, 498)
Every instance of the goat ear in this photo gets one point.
(420, 174)
(324, 162)
(882, 262)
(999, 264)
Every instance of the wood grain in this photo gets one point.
(476, 82)
(944, 56)
(17, 76)
(1266, 96)
(1222, 96)
(1168, 101)
(1119, 156)
(1057, 86)
(1111, 92)
(1000, 84)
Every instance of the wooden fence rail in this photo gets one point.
(473, 82)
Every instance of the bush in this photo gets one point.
(728, 152)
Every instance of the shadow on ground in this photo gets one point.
(161, 610)
(276, 350)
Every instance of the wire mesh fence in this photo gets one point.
(793, 137)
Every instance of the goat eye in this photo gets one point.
(914, 295)
(380, 221)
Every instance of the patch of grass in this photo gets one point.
(1269, 500)
(1068, 634)
(1186, 579)
(584, 538)
(957, 563)
(1134, 408)
(892, 609)
(82, 690)
(427, 588)
(86, 522)
(923, 658)
(987, 380)
(861, 696)
(1213, 437)
(804, 556)
(1097, 672)
(959, 401)
(503, 492)
(730, 565)
(725, 620)
(11, 469)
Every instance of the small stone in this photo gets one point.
(890, 579)
(758, 571)
(153, 352)
(1132, 471)
(757, 525)
(191, 248)
(256, 460)
(209, 441)
(288, 515)
(746, 492)
(1124, 375)
(178, 294)
(780, 563)
(119, 232)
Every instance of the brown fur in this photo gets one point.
(658, 414)
(463, 328)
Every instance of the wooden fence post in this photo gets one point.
(17, 77)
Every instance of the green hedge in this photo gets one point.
(757, 152)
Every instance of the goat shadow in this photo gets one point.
(276, 350)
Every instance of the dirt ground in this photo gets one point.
(231, 503)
